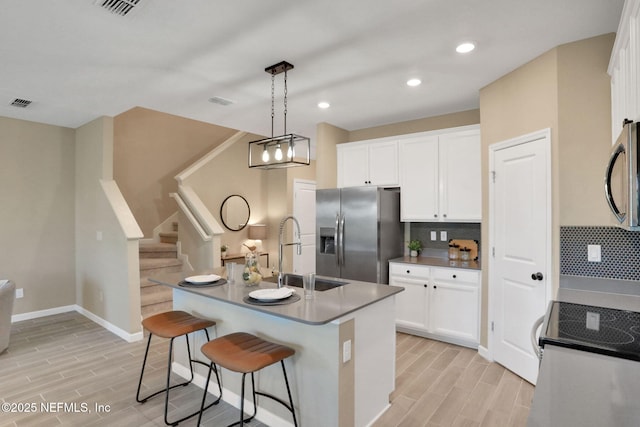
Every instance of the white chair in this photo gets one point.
(7, 295)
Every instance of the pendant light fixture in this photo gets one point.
(268, 153)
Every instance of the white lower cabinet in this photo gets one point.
(411, 310)
(439, 303)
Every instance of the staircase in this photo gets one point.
(157, 258)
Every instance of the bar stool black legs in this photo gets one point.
(246, 354)
(172, 325)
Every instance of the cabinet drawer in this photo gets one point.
(409, 270)
(455, 275)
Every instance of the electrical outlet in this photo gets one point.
(19, 293)
(346, 351)
(434, 236)
(593, 253)
(98, 235)
(443, 236)
(593, 321)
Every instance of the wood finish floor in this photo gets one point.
(439, 384)
(68, 359)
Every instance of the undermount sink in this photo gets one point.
(296, 280)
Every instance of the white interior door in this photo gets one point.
(520, 221)
(304, 209)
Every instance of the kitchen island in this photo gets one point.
(344, 367)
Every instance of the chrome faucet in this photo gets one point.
(281, 245)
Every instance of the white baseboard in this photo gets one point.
(264, 416)
(128, 337)
(42, 313)
(484, 352)
(86, 313)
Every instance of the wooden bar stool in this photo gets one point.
(246, 353)
(173, 324)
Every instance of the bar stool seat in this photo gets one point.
(245, 353)
(171, 325)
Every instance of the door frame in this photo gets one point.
(297, 183)
(544, 134)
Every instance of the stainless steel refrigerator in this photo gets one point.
(358, 230)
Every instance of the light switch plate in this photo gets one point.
(346, 351)
(593, 253)
(434, 236)
(443, 236)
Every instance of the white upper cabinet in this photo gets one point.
(460, 176)
(368, 163)
(419, 182)
(624, 69)
(440, 177)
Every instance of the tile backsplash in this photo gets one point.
(422, 231)
(620, 252)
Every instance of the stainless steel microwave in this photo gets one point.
(621, 178)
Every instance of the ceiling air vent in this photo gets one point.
(119, 7)
(20, 103)
(220, 100)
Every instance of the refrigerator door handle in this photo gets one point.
(336, 238)
(341, 240)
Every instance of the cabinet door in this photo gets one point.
(419, 179)
(460, 176)
(383, 163)
(454, 305)
(411, 303)
(353, 165)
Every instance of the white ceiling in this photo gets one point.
(77, 61)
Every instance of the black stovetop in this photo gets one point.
(594, 329)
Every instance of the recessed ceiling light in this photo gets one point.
(465, 47)
(324, 105)
(414, 82)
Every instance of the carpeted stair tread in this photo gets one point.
(152, 309)
(158, 250)
(155, 294)
(153, 263)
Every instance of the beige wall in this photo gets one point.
(150, 148)
(551, 92)
(584, 95)
(107, 268)
(328, 136)
(462, 118)
(227, 174)
(37, 215)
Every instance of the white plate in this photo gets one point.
(201, 280)
(271, 294)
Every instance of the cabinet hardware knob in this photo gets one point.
(435, 215)
(435, 287)
(426, 286)
(444, 215)
(454, 276)
(408, 271)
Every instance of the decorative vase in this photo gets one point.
(251, 275)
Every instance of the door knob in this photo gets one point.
(537, 276)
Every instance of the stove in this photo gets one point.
(606, 331)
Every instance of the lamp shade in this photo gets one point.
(257, 231)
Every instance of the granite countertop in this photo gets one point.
(325, 307)
(438, 262)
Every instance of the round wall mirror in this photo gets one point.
(235, 212)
